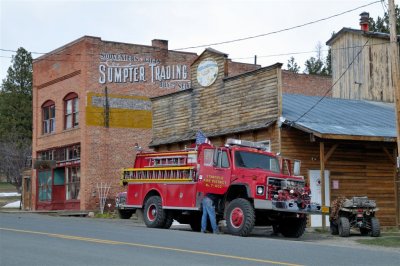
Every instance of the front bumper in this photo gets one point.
(289, 206)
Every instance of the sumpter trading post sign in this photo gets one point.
(125, 68)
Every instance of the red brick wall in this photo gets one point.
(313, 85)
(236, 68)
(104, 151)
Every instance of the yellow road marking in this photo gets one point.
(111, 242)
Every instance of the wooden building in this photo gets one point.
(370, 73)
(354, 141)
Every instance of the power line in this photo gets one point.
(326, 93)
(229, 41)
(278, 31)
(235, 58)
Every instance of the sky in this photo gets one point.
(41, 26)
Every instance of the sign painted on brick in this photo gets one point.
(125, 68)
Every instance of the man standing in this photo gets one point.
(209, 210)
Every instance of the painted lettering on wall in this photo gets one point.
(125, 68)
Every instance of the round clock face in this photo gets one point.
(207, 72)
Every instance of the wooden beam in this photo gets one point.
(330, 152)
(322, 178)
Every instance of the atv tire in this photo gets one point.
(334, 228)
(375, 227)
(344, 227)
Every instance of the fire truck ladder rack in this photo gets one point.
(159, 174)
(167, 161)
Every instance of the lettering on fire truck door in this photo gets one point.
(215, 171)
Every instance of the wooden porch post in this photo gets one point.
(322, 176)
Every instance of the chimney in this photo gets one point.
(162, 44)
(364, 17)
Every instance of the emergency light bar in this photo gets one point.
(246, 143)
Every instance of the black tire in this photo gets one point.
(240, 217)
(375, 227)
(344, 227)
(334, 228)
(125, 214)
(169, 219)
(293, 227)
(154, 215)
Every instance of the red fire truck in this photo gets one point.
(256, 187)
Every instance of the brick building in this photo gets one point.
(91, 107)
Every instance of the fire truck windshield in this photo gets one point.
(245, 159)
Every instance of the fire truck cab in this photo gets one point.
(255, 187)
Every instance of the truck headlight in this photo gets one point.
(260, 190)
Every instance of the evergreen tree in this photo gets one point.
(292, 65)
(328, 63)
(16, 116)
(316, 65)
(382, 24)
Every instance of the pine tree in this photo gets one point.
(292, 65)
(16, 116)
(382, 24)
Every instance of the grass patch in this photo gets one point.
(106, 215)
(7, 187)
(384, 241)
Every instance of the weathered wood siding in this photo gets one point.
(229, 103)
(369, 77)
(171, 115)
(362, 168)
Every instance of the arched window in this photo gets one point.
(71, 110)
(48, 117)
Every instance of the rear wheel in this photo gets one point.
(344, 227)
(375, 227)
(293, 227)
(240, 217)
(154, 215)
(125, 214)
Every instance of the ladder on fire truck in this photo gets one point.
(161, 169)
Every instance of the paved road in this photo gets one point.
(32, 239)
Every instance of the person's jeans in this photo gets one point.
(208, 210)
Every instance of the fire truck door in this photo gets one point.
(215, 171)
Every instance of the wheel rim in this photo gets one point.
(152, 212)
(237, 217)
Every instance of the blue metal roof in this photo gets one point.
(340, 116)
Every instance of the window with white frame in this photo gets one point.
(71, 111)
(48, 117)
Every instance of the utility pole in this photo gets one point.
(394, 58)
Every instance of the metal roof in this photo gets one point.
(339, 116)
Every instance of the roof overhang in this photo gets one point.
(343, 137)
(190, 136)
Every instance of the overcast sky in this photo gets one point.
(42, 26)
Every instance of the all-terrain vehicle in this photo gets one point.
(358, 212)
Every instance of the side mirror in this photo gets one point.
(296, 167)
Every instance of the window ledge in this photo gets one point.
(70, 129)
